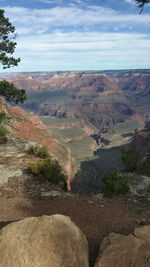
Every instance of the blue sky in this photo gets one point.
(79, 34)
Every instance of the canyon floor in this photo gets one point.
(91, 162)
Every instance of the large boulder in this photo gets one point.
(47, 241)
(126, 251)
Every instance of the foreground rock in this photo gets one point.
(47, 241)
(126, 251)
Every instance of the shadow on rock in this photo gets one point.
(89, 178)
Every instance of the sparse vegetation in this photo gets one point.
(133, 162)
(130, 157)
(115, 183)
(47, 170)
(2, 116)
(3, 135)
(144, 165)
(41, 152)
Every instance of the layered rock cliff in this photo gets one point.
(103, 98)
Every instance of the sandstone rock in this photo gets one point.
(7, 172)
(143, 233)
(126, 251)
(47, 241)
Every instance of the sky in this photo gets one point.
(58, 35)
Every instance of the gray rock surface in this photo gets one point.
(47, 241)
(126, 251)
(11, 157)
(139, 184)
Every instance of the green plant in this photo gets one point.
(7, 48)
(41, 152)
(3, 134)
(130, 157)
(144, 166)
(2, 116)
(32, 150)
(11, 93)
(47, 170)
(115, 183)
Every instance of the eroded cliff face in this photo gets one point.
(99, 81)
(24, 125)
(102, 98)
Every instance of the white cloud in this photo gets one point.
(91, 50)
(130, 2)
(44, 20)
(50, 1)
(42, 45)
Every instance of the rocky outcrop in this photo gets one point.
(49, 241)
(126, 251)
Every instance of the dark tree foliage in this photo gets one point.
(141, 4)
(7, 48)
(7, 43)
(11, 93)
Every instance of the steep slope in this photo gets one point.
(23, 125)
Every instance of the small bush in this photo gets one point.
(2, 116)
(115, 183)
(130, 157)
(47, 170)
(133, 162)
(41, 152)
(144, 166)
(3, 134)
(32, 150)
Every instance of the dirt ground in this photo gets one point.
(96, 216)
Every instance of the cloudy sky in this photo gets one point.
(79, 34)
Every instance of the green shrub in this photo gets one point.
(32, 150)
(3, 134)
(144, 166)
(2, 116)
(130, 157)
(133, 162)
(115, 183)
(41, 152)
(47, 170)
